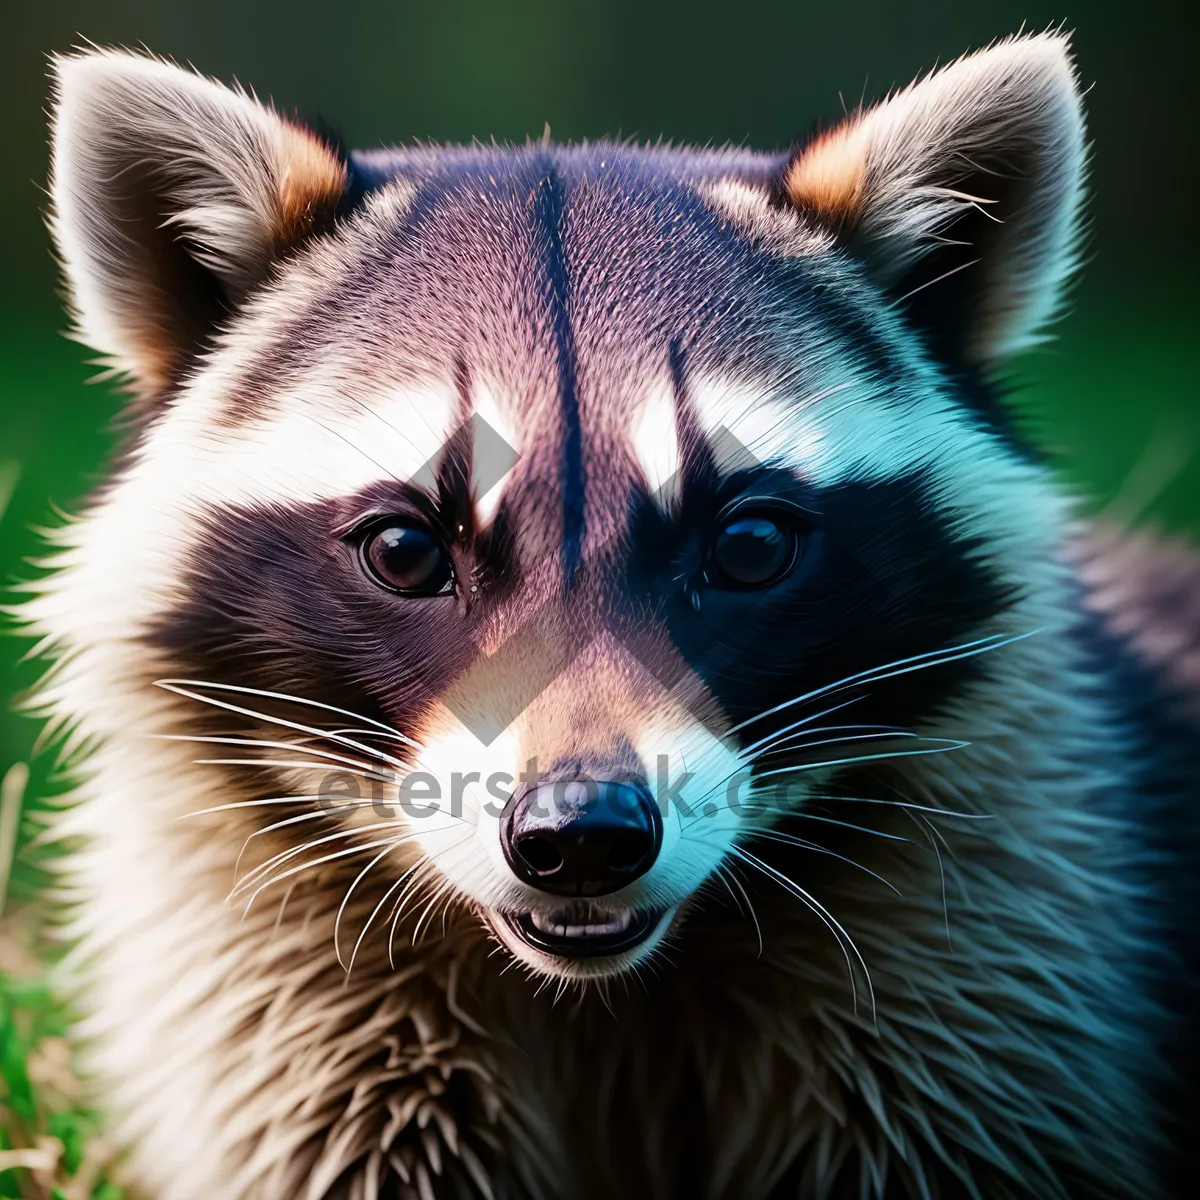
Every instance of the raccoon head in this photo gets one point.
(548, 523)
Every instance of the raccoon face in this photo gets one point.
(545, 524)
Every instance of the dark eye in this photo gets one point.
(754, 549)
(407, 557)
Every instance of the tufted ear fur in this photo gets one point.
(172, 199)
(961, 194)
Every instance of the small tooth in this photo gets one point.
(616, 923)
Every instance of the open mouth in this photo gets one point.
(578, 932)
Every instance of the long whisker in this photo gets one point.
(261, 803)
(720, 874)
(438, 893)
(264, 868)
(858, 758)
(937, 812)
(421, 869)
(380, 733)
(336, 806)
(309, 865)
(801, 814)
(778, 835)
(378, 908)
(793, 744)
(844, 940)
(949, 744)
(311, 816)
(175, 684)
(795, 730)
(901, 666)
(309, 741)
(184, 687)
(282, 906)
(433, 889)
(798, 724)
(348, 967)
(917, 820)
(730, 877)
(213, 740)
(296, 820)
(275, 762)
(284, 855)
(337, 921)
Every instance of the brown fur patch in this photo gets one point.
(827, 178)
(311, 181)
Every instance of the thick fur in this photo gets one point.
(647, 332)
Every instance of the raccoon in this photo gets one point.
(577, 685)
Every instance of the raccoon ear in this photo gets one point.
(172, 199)
(961, 194)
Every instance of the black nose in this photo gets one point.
(581, 838)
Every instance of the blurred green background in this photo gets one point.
(1115, 399)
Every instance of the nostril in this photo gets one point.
(585, 849)
(539, 853)
(627, 852)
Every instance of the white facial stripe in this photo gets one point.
(468, 851)
(487, 491)
(656, 444)
(311, 451)
(191, 465)
(741, 417)
(690, 776)
(851, 429)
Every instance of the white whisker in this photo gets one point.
(348, 967)
(800, 814)
(268, 745)
(753, 747)
(285, 855)
(917, 820)
(422, 867)
(383, 733)
(777, 835)
(309, 865)
(337, 921)
(842, 762)
(937, 812)
(945, 274)
(178, 686)
(901, 666)
(261, 803)
(283, 905)
(308, 816)
(275, 762)
(844, 940)
(438, 893)
(376, 910)
(731, 881)
(797, 769)
(792, 744)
